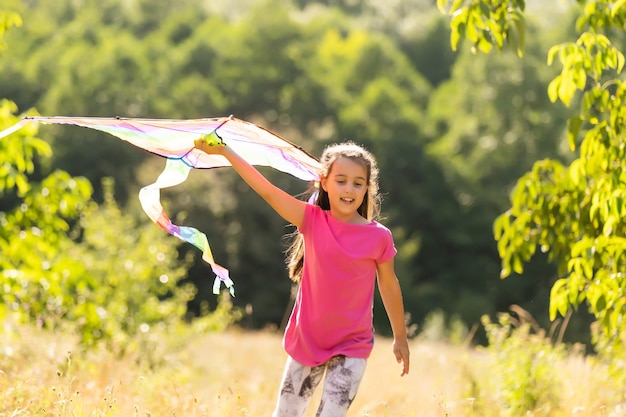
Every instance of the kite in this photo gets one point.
(173, 139)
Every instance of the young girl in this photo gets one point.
(338, 253)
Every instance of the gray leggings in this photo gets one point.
(343, 376)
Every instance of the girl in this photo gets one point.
(338, 252)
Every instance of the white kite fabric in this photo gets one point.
(174, 139)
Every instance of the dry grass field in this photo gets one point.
(236, 373)
(245, 369)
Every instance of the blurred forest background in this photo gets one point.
(452, 133)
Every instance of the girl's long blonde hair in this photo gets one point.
(369, 209)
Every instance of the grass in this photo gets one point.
(236, 373)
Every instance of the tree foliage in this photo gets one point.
(69, 262)
(486, 23)
(315, 72)
(575, 212)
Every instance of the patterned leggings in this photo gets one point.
(343, 376)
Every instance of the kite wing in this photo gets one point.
(174, 139)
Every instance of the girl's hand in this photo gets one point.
(210, 148)
(401, 351)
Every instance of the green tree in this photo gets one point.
(68, 262)
(325, 71)
(575, 212)
(36, 220)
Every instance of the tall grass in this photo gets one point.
(236, 373)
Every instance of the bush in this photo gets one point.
(69, 263)
(524, 368)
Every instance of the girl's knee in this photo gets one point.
(343, 377)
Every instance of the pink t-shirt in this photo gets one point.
(332, 314)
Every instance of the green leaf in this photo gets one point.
(505, 272)
(573, 128)
(441, 5)
(456, 5)
(520, 26)
(552, 53)
(518, 265)
(553, 89)
(620, 61)
(558, 298)
(607, 230)
(500, 225)
(616, 7)
(484, 45)
(506, 266)
(566, 90)
(458, 27)
(471, 31)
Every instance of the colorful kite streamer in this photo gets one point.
(174, 140)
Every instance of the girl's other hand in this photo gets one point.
(401, 351)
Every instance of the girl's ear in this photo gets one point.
(322, 182)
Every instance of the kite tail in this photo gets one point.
(176, 172)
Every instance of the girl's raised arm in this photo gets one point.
(287, 206)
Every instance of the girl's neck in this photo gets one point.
(355, 218)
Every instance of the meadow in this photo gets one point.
(236, 373)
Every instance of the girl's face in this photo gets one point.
(346, 185)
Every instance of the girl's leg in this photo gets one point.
(343, 376)
(296, 389)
